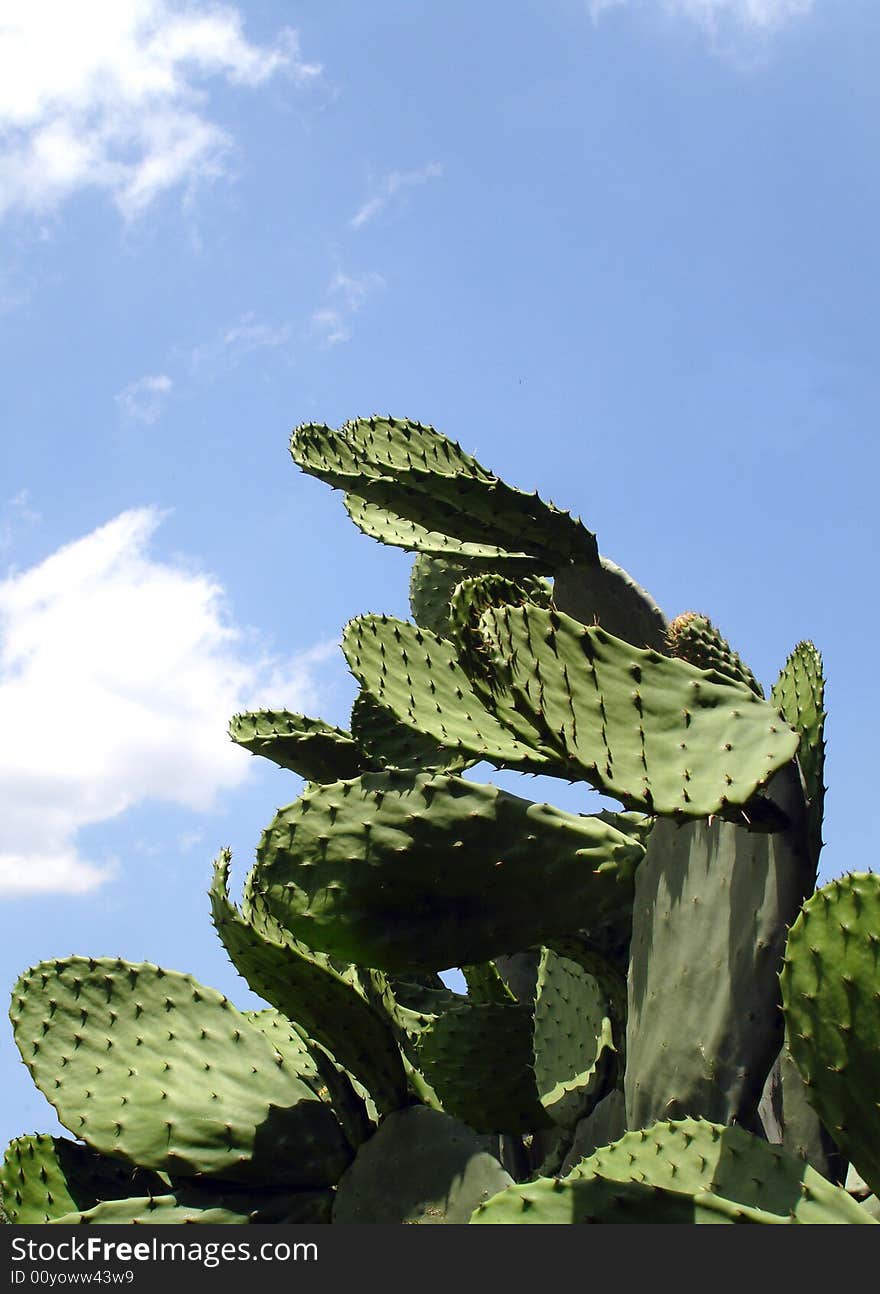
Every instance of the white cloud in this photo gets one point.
(240, 339)
(389, 187)
(110, 94)
(344, 297)
(118, 675)
(144, 400)
(754, 15)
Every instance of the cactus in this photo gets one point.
(663, 1021)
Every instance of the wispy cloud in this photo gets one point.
(233, 343)
(344, 298)
(389, 187)
(15, 514)
(118, 674)
(110, 94)
(144, 400)
(754, 15)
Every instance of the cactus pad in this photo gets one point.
(830, 998)
(656, 733)
(686, 1171)
(572, 1038)
(314, 749)
(148, 1065)
(401, 871)
(211, 1204)
(421, 476)
(417, 676)
(799, 692)
(43, 1178)
(606, 595)
(421, 1167)
(479, 1059)
(304, 985)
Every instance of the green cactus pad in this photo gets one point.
(604, 1124)
(477, 594)
(417, 676)
(314, 749)
(830, 998)
(482, 516)
(43, 1178)
(799, 693)
(421, 1167)
(686, 1171)
(409, 1008)
(305, 987)
(713, 903)
(211, 1204)
(433, 581)
(606, 595)
(580, 948)
(656, 733)
(422, 476)
(479, 1060)
(148, 1065)
(388, 527)
(695, 638)
(388, 743)
(379, 447)
(407, 872)
(328, 1079)
(572, 1038)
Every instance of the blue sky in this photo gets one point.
(625, 252)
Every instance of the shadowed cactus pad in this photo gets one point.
(314, 749)
(401, 871)
(422, 1167)
(607, 595)
(388, 743)
(685, 1171)
(43, 1178)
(305, 986)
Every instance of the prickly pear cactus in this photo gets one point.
(662, 1023)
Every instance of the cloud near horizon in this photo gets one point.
(118, 675)
(110, 94)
